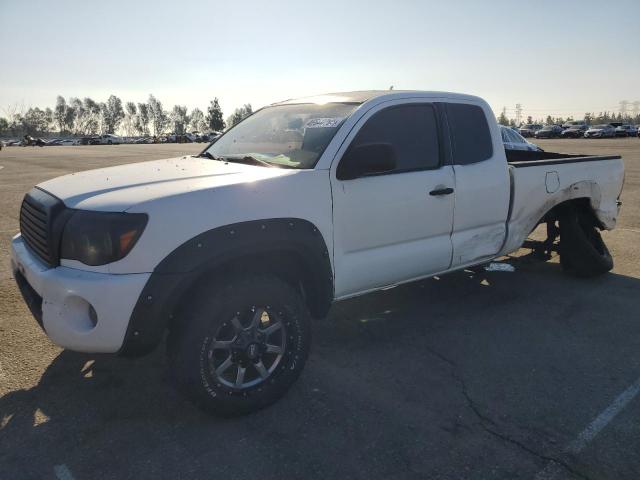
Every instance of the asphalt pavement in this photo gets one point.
(474, 375)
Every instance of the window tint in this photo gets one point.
(519, 138)
(470, 134)
(412, 132)
(515, 137)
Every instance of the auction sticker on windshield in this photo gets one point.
(324, 122)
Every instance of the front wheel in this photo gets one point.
(242, 345)
(582, 251)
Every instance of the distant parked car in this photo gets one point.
(209, 137)
(529, 129)
(109, 139)
(192, 136)
(29, 141)
(549, 131)
(575, 131)
(62, 142)
(626, 130)
(512, 140)
(575, 123)
(600, 131)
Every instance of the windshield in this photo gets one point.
(600, 126)
(292, 136)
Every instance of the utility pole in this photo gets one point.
(623, 107)
(518, 113)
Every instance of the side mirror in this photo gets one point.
(366, 159)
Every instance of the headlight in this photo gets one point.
(97, 238)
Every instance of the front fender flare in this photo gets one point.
(182, 268)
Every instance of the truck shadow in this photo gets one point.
(105, 400)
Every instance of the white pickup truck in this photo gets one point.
(230, 253)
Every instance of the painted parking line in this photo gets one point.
(553, 470)
(62, 472)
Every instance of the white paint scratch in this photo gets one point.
(554, 471)
(62, 472)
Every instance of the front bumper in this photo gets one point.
(60, 299)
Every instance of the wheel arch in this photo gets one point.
(291, 248)
(584, 194)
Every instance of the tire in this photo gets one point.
(207, 370)
(583, 253)
(110, 142)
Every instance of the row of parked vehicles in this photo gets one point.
(579, 129)
(110, 139)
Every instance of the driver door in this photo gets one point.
(395, 226)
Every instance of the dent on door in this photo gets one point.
(481, 208)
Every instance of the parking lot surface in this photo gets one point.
(480, 375)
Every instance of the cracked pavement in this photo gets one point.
(473, 375)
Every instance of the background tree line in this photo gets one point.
(88, 117)
(590, 118)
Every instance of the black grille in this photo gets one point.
(37, 220)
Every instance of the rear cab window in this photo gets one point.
(471, 139)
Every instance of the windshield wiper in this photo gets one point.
(247, 159)
(209, 155)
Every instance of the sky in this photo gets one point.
(553, 57)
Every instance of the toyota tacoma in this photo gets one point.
(226, 256)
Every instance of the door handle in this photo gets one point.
(441, 191)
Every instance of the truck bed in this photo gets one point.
(524, 158)
(560, 177)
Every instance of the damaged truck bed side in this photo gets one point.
(581, 190)
(228, 255)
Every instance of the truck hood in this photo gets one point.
(121, 187)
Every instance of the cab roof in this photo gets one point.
(362, 96)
